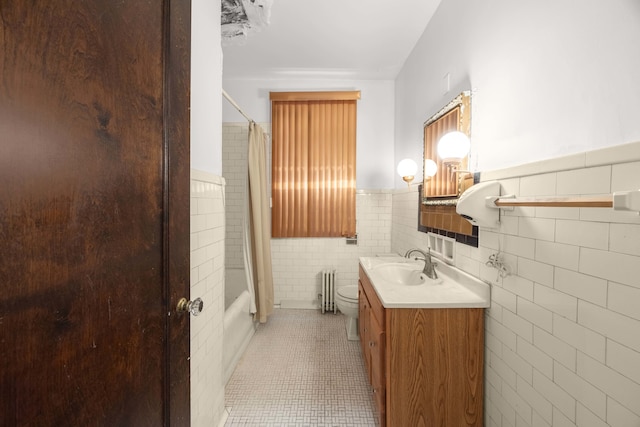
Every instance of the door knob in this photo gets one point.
(194, 307)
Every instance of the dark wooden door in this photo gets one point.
(94, 212)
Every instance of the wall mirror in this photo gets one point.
(446, 146)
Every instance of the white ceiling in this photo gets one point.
(345, 39)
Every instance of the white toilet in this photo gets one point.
(347, 302)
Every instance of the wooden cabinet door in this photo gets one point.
(378, 378)
(436, 363)
(363, 327)
(94, 212)
(372, 340)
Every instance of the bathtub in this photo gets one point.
(239, 326)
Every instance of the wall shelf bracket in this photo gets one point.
(627, 201)
(490, 202)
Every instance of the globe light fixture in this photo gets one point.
(407, 169)
(453, 147)
(430, 168)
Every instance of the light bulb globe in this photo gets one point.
(453, 146)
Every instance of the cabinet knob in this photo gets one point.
(372, 344)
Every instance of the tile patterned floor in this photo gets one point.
(300, 370)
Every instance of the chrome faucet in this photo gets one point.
(429, 266)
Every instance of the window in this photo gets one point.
(313, 178)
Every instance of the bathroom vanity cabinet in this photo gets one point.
(425, 364)
(372, 339)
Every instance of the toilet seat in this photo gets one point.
(348, 293)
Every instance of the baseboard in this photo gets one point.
(225, 415)
(301, 304)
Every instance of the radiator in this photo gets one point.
(327, 291)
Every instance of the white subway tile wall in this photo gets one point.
(563, 331)
(234, 170)
(404, 224)
(207, 282)
(297, 263)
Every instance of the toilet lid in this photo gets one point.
(348, 292)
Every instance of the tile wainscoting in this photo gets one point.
(207, 282)
(297, 263)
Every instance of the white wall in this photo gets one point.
(207, 214)
(375, 164)
(206, 86)
(549, 78)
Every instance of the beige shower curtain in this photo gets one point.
(259, 223)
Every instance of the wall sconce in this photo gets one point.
(407, 169)
(430, 168)
(453, 147)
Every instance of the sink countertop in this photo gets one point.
(457, 289)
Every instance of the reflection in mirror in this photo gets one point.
(446, 175)
(451, 124)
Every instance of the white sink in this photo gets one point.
(404, 273)
(399, 283)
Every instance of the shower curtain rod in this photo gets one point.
(237, 107)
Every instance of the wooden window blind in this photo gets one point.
(313, 178)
